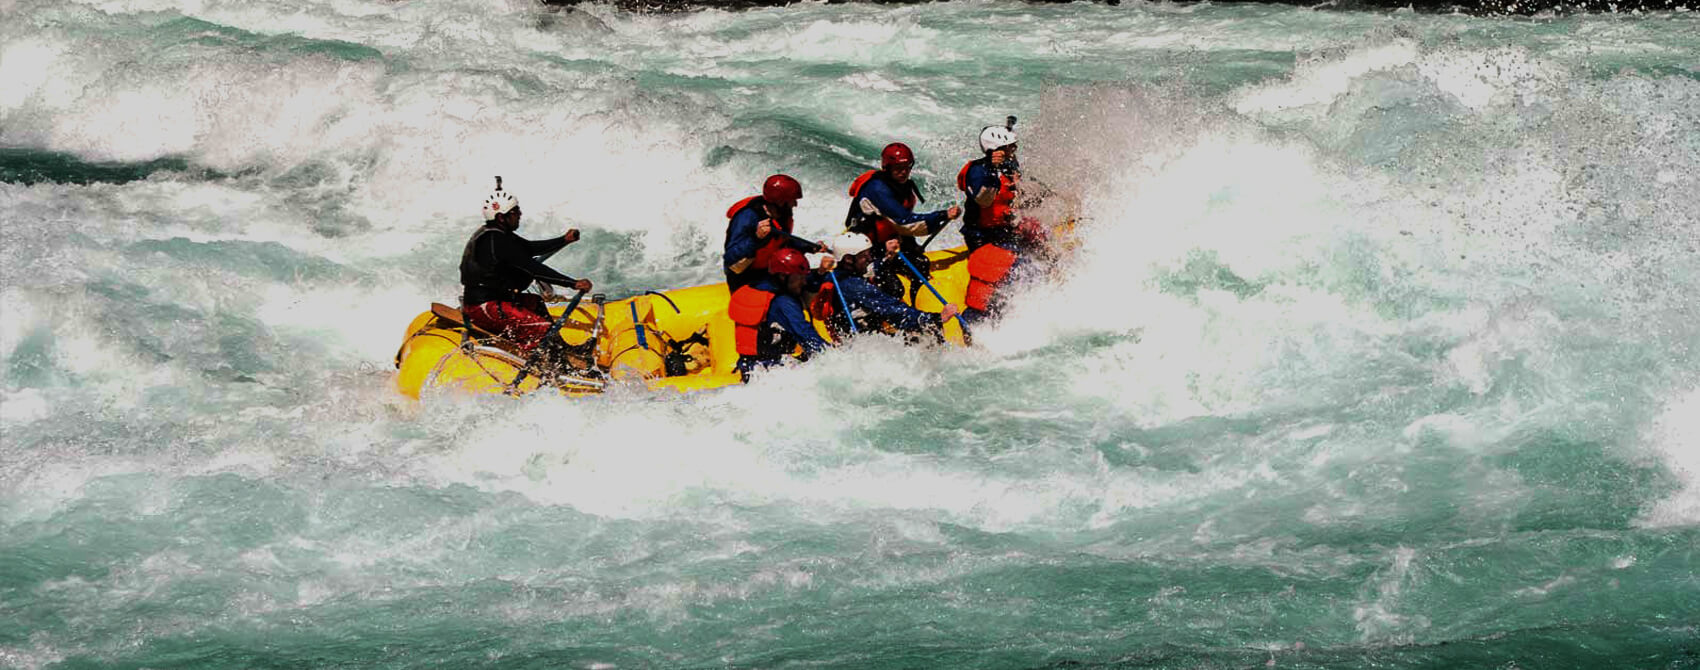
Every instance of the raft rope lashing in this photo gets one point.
(643, 341)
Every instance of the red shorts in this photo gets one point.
(524, 321)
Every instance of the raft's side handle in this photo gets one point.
(663, 296)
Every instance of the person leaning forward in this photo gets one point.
(498, 265)
(872, 308)
(757, 227)
(882, 206)
(768, 316)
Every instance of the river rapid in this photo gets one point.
(1383, 349)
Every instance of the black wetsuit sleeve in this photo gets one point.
(514, 251)
(544, 248)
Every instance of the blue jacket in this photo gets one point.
(784, 313)
(980, 175)
(742, 243)
(876, 307)
(885, 197)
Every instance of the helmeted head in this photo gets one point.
(897, 160)
(787, 261)
(993, 138)
(500, 202)
(782, 190)
(790, 267)
(850, 244)
(896, 155)
(851, 250)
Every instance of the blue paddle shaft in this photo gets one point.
(846, 304)
(922, 279)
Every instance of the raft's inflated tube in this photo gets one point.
(922, 278)
(637, 354)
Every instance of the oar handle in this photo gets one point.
(921, 278)
(554, 332)
(555, 328)
(930, 237)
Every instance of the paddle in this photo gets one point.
(846, 304)
(554, 332)
(923, 280)
(930, 237)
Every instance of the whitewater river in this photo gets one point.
(1383, 351)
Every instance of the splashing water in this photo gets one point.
(1381, 349)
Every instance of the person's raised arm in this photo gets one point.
(746, 233)
(511, 250)
(885, 204)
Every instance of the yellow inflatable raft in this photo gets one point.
(680, 339)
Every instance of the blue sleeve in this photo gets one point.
(788, 313)
(891, 207)
(860, 293)
(741, 241)
(980, 176)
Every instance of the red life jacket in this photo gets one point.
(774, 242)
(884, 229)
(987, 266)
(748, 310)
(1002, 209)
(824, 304)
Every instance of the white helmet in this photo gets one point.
(996, 137)
(850, 244)
(499, 202)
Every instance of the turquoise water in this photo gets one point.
(1382, 351)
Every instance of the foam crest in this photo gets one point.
(358, 322)
(1317, 82)
(1675, 437)
(1268, 260)
(1499, 77)
(795, 436)
(369, 140)
(1206, 242)
(230, 112)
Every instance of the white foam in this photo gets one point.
(355, 322)
(1318, 82)
(1232, 201)
(794, 436)
(1378, 616)
(1675, 437)
(17, 316)
(38, 655)
(1495, 77)
(22, 406)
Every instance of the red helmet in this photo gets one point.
(896, 153)
(781, 189)
(788, 261)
